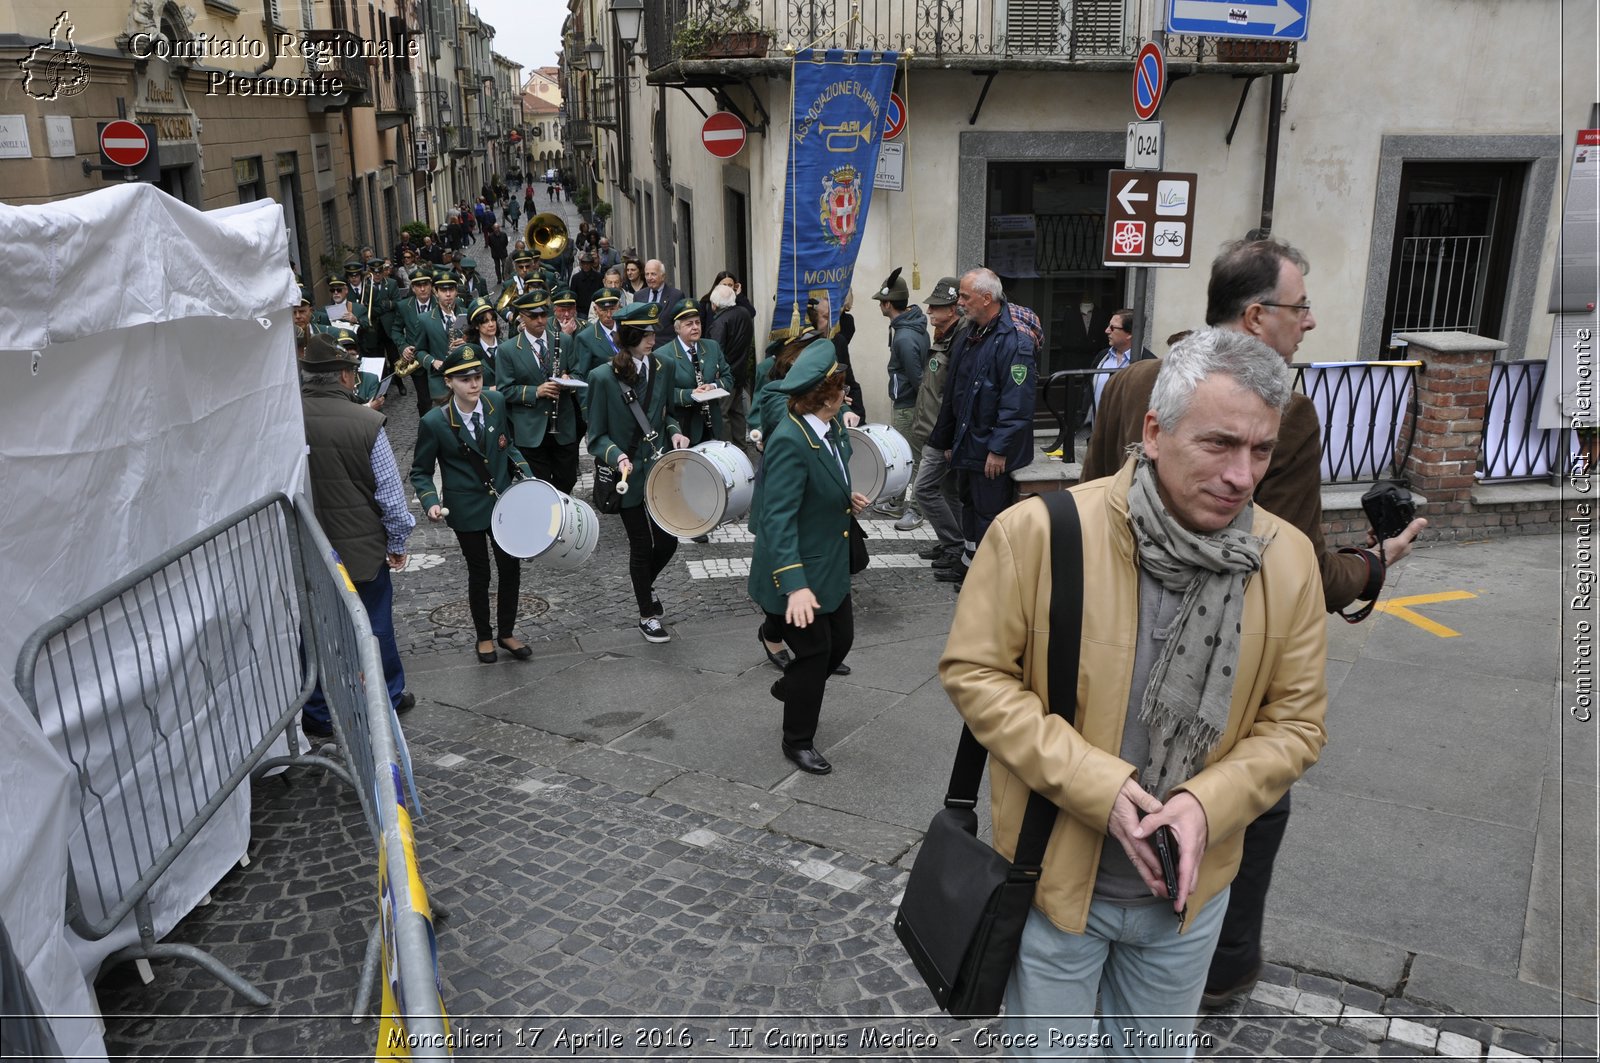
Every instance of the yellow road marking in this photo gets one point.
(1400, 607)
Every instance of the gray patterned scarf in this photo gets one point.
(1191, 686)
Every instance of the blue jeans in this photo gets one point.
(377, 594)
(1148, 977)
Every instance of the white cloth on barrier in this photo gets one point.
(1361, 409)
(148, 386)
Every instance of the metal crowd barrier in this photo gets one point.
(368, 731)
(1362, 407)
(167, 689)
(1078, 406)
(1514, 447)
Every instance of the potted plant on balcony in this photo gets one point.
(730, 36)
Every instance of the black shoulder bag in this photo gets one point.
(606, 498)
(965, 905)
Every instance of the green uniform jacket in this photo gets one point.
(700, 421)
(438, 442)
(378, 303)
(591, 349)
(802, 526)
(472, 287)
(612, 426)
(427, 333)
(518, 374)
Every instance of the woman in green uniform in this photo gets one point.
(618, 440)
(469, 438)
(800, 574)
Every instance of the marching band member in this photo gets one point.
(699, 366)
(546, 418)
(800, 574)
(565, 305)
(596, 343)
(618, 440)
(483, 332)
(469, 439)
(420, 336)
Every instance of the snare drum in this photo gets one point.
(534, 519)
(689, 492)
(880, 461)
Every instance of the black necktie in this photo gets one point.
(477, 426)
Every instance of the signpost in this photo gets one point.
(1149, 218)
(894, 117)
(1261, 20)
(723, 135)
(1145, 148)
(123, 144)
(1149, 80)
(128, 152)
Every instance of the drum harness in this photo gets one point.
(481, 462)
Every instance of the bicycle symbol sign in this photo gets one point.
(1128, 238)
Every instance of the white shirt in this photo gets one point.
(819, 426)
(466, 417)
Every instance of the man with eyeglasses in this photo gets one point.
(1257, 287)
(1118, 355)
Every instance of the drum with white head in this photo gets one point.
(692, 491)
(535, 519)
(880, 461)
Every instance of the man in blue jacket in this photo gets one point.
(908, 354)
(985, 424)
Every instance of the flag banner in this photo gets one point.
(834, 136)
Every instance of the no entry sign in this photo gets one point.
(123, 143)
(1149, 80)
(723, 135)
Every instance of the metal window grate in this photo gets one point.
(1514, 447)
(1439, 285)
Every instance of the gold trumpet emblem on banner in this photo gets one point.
(846, 135)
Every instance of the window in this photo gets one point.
(1452, 248)
(330, 225)
(1057, 27)
(685, 236)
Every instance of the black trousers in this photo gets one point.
(814, 652)
(475, 546)
(1238, 952)
(554, 463)
(982, 500)
(650, 548)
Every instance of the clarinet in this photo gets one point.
(705, 407)
(555, 371)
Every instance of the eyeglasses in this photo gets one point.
(1302, 308)
(1116, 328)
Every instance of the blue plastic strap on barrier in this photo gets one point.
(403, 751)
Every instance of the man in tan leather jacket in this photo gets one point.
(1200, 700)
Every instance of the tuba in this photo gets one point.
(547, 234)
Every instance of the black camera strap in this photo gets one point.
(1377, 570)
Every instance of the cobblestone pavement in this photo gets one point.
(621, 924)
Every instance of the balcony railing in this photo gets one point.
(578, 133)
(1514, 446)
(1047, 30)
(337, 53)
(1362, 407)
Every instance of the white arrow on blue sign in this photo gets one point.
(1265, 20)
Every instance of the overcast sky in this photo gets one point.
(525, 31)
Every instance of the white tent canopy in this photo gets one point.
(148, 389)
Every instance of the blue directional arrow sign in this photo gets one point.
(1262, 20)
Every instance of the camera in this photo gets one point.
(1389, 509)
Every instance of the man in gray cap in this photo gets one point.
(908, 351)
(932, 485)
(359, 500)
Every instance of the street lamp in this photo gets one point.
(594, 56)
(629, 15)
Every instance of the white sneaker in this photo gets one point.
(910, 520)
(653, 630)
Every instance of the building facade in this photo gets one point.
(1425, 195)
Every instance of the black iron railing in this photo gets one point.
(1514, 447)
(1362, 408)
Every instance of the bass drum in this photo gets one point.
(534, 519)
(880, 461)
(692, 491)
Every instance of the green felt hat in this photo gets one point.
(606, 297)
(479, 308)
(464, 358)
(685, 307)
(811, 368)
(563, 297)
(532, 301)
(641, 315)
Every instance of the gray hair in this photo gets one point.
(322, 380)
(723, 296)
(985, 282)
(1212, 352)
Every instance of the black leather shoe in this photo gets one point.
(779, 660)
(932, 553)
(488, 656)
(947, 560)
(521, 653)
(808, 760)
(702, 538)
(774, 691)
(956, 574)
(841, 669)
(408, 701)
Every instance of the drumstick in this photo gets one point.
(622, 484)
